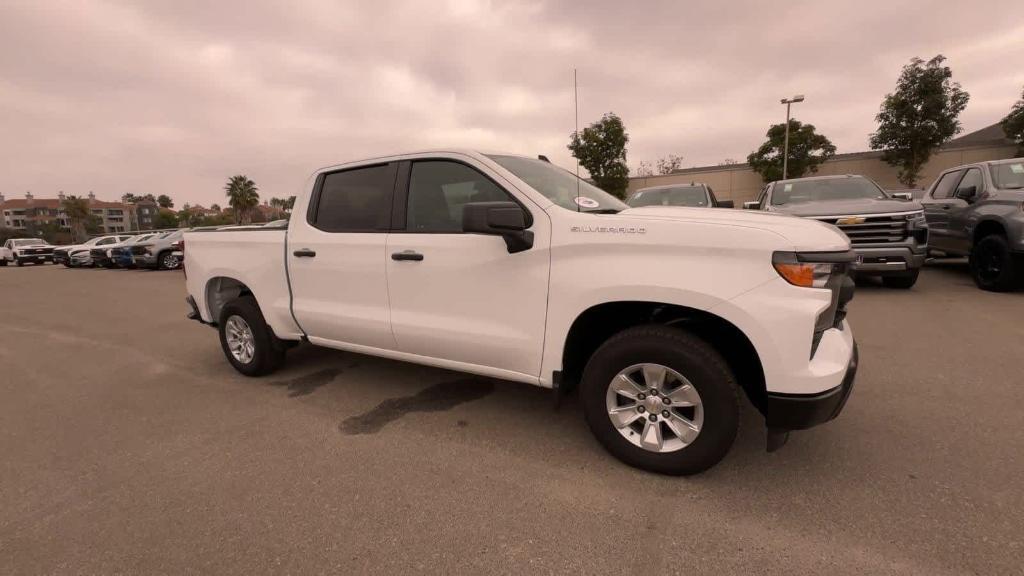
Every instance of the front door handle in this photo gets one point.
(946, 206)
(304, 253)
(407, 255)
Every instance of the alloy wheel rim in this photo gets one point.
(170, 261)
(240, 339)
(655, 408)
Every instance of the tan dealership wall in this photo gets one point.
(740, 184)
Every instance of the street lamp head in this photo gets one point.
(793, 100)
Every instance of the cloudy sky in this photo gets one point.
(172, 97)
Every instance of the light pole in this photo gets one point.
(785, 147)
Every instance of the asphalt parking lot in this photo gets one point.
(130, 446)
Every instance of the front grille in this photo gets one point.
(871, 229)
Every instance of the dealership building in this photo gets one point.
(737, 182)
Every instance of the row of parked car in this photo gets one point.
(157, 250)
(974, 210)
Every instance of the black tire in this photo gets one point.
(903, 281)
(268, 352)
(992, 264)
(19, 262)
(167, 261)
(3, 261)
(687, 355)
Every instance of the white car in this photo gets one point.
(78, 254)
(21, 251)
(512, 268)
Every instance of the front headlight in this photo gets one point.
(916, 221)
(807, 274)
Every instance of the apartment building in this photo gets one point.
(30, 213)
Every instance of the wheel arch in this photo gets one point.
(987, 228)
(219, 291)
(596, 324)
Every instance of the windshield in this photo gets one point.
(28, 242)
(560, 186)
(1009, 176)
(676, 196)
(795, 191)
(138, 239)
(92, 241)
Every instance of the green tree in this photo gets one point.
(669, 164)
(130, 198)
(80, 217)
(164, 201)
(1013, 125)
(215, 207)
(243, 197)
(601, 149)
(918, 117)
(165, 218)
(807, 150)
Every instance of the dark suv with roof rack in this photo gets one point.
(977, 210)
(889, 234)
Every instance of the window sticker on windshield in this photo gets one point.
(787, 188)
(1017, 168)
(585, 202)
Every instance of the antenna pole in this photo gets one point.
(576, 106)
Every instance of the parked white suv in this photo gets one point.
(513, 268)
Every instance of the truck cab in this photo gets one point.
(510, 267)
(977, 210)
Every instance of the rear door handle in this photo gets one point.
(407, 255)
(304, 253)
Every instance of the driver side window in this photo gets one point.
(438, 189)
(972, 178)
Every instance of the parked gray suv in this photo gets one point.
(977, 210)
(889, 234)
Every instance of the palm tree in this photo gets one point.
(242, 197)
(78, 213)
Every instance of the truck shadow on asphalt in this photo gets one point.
(437, 398)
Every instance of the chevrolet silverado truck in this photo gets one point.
(512, 268)
(889, 234)
(977, 210)
(24, 250)
(694, 194)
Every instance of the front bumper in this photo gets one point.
(802, 411)
(882, 259)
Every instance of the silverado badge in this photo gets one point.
(850, 220)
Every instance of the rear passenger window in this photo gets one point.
(439, 189)
(946, 185)
(357, 200)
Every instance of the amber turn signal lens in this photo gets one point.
(797, 274)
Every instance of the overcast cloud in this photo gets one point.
(173, 97)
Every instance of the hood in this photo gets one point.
(848, 207)
(804, 235)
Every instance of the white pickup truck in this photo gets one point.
(510, 267)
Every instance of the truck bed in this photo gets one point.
(254, 257)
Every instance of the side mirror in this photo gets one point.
(753, 205)
(903, 196)
(505, 219)
(967, 193)
(725, 204)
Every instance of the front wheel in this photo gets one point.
(247, 341)
(992, 264)
(661, 399)
(904, 281)
(168, 261)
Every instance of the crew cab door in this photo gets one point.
(463, 297)
(970, 188)
(937, 205)
(335, 256)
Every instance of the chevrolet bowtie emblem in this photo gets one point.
(850, 220)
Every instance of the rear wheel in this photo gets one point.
(248, 343)
(904, 281)
(661, 399)
(992, 264)
(168, 261)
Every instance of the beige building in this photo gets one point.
(30, 212)
(737, 182)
